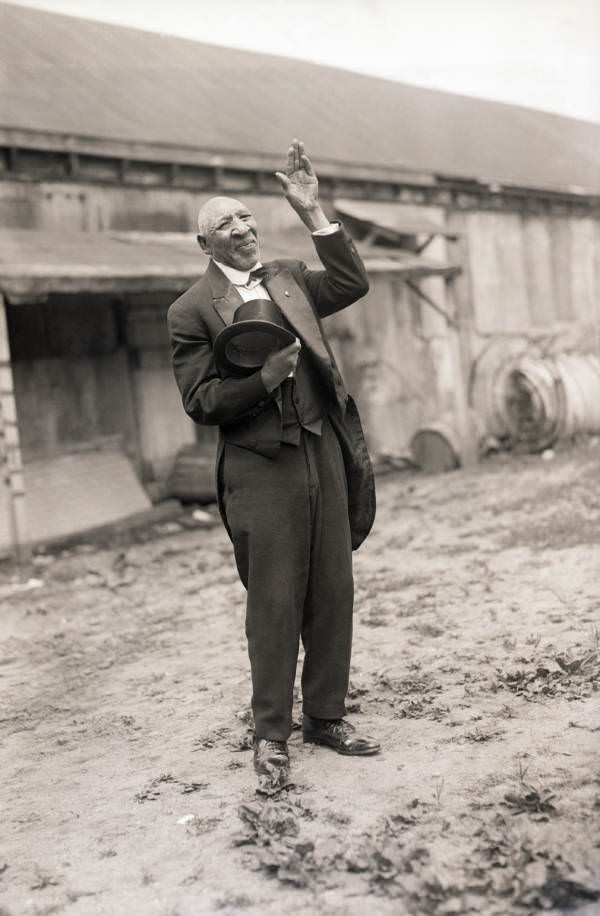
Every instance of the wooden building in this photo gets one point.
(479, 223)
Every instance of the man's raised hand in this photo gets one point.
(301, 187)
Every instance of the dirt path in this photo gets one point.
(127, 783)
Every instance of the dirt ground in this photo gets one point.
(127, 784)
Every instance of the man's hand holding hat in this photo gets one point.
(279, 365)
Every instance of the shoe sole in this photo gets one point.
(368, 752)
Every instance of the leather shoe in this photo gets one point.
(338, 734)
(271, 758)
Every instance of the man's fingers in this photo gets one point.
(283, 180)
(296, 159)
(307, 165)
(296, 148)
(290, 159)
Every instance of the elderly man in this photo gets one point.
(294, 480)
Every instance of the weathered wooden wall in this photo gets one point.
(71, 374)
(163, 426)
(529, 272)
(523, 273)
(96, 207)
(87, 368)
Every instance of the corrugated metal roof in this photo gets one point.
(37, 262)
(79, 77)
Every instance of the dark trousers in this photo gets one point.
(291, 536)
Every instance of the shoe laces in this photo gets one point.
(340, 727)
(277, 747)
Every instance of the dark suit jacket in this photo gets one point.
(246, 414)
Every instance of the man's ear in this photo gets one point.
(202, 242)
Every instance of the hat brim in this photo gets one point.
(244, 346)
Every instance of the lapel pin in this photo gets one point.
(285, 292)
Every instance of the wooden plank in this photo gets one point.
(538, 271)
(387, 363)
(459, 294)
(498, 273)
(74, 493)
(508, 239)
(561, 245)
(11, 465)
(484, 271)
(163, 424)
(583, 272)
(66, 401)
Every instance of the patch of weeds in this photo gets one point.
(457, 549)
(429, 630)
(410, 608)
(271, 835)
(559, 530)
(479, 736)
(43, 880)
(201, 825)
(375, 619)
(506, 712)
(571, 677)
(233, 901)
(413, 698)
(589, 728)
(242, 742)
(338, 818)
(210, 740)
(530, 800)
(356, 690)
(523, 873)
(188, 787)
(501, 870)
(151, 790)
(398, 583)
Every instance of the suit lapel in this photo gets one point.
(225, 296)
(290, 298)
(285, 291)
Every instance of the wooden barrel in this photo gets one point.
(435, 448)
(192, 477)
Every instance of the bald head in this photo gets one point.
(227, 232)
(213, 208)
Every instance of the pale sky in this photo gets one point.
(539, 53)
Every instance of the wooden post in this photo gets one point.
(11, 466)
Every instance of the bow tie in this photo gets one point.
(256, 276)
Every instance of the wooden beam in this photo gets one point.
(11, 464)
(437, 308)
(424, 245)
(73, 164)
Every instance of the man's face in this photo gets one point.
(229, 233)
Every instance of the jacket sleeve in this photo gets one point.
(344, 279)
(208, 398)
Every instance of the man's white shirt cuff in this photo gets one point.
(327, 230)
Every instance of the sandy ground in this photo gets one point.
(127, 784)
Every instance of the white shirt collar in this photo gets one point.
(235, 276)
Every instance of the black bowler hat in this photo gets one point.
(257, 331)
